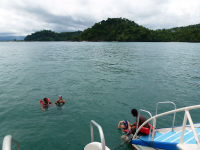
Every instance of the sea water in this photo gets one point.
(99, 81)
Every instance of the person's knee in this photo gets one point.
(123, 136)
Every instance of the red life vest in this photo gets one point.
(42, 103)
(146, 130)
(143, 129)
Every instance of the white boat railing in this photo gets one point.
(7, 143)
(186, 116)
(100, 132)
(139, 117)
(174, 109)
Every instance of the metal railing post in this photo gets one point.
(192, 126)
(154, 126)
(174, 109)
(92, 135)
(103, 144)
(183, 128)
(7, 143)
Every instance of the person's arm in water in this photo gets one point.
(42, 107)
(133, 127)
(62, 101)
(52, 103)
(59, 101)
(56, 101)
(133, 124)
(121, 126)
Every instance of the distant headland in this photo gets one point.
(122, 30)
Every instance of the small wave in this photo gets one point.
(196, 77)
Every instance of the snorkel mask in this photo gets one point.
(60, 96)
(125, 123)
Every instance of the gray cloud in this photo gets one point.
(54, 22)
(24, 17)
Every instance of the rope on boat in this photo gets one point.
(148, 144)
(139, 139)
(122, 144)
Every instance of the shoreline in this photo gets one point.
(104, 41)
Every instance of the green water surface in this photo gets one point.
(99, 81)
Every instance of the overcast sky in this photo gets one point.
(22, 17)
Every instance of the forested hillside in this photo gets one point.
(121, 29)
(118, 29)
(48, 35)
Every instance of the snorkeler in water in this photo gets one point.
(46, 103)
(60, 101)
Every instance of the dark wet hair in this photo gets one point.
(46, 100)
(134, 112)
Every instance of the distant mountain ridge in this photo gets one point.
(121, 29)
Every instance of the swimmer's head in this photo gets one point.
(46, 100)
(60, 97)
(125, 123)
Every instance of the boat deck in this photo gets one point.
(167, 135)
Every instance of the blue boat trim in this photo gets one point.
(167, 141)
(156, 144)
(146, 137)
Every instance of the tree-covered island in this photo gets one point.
(48, 35)
(121, 29)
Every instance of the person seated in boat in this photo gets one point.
(142, 119)
(125, 125)
(60, 101)
(46, 103)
